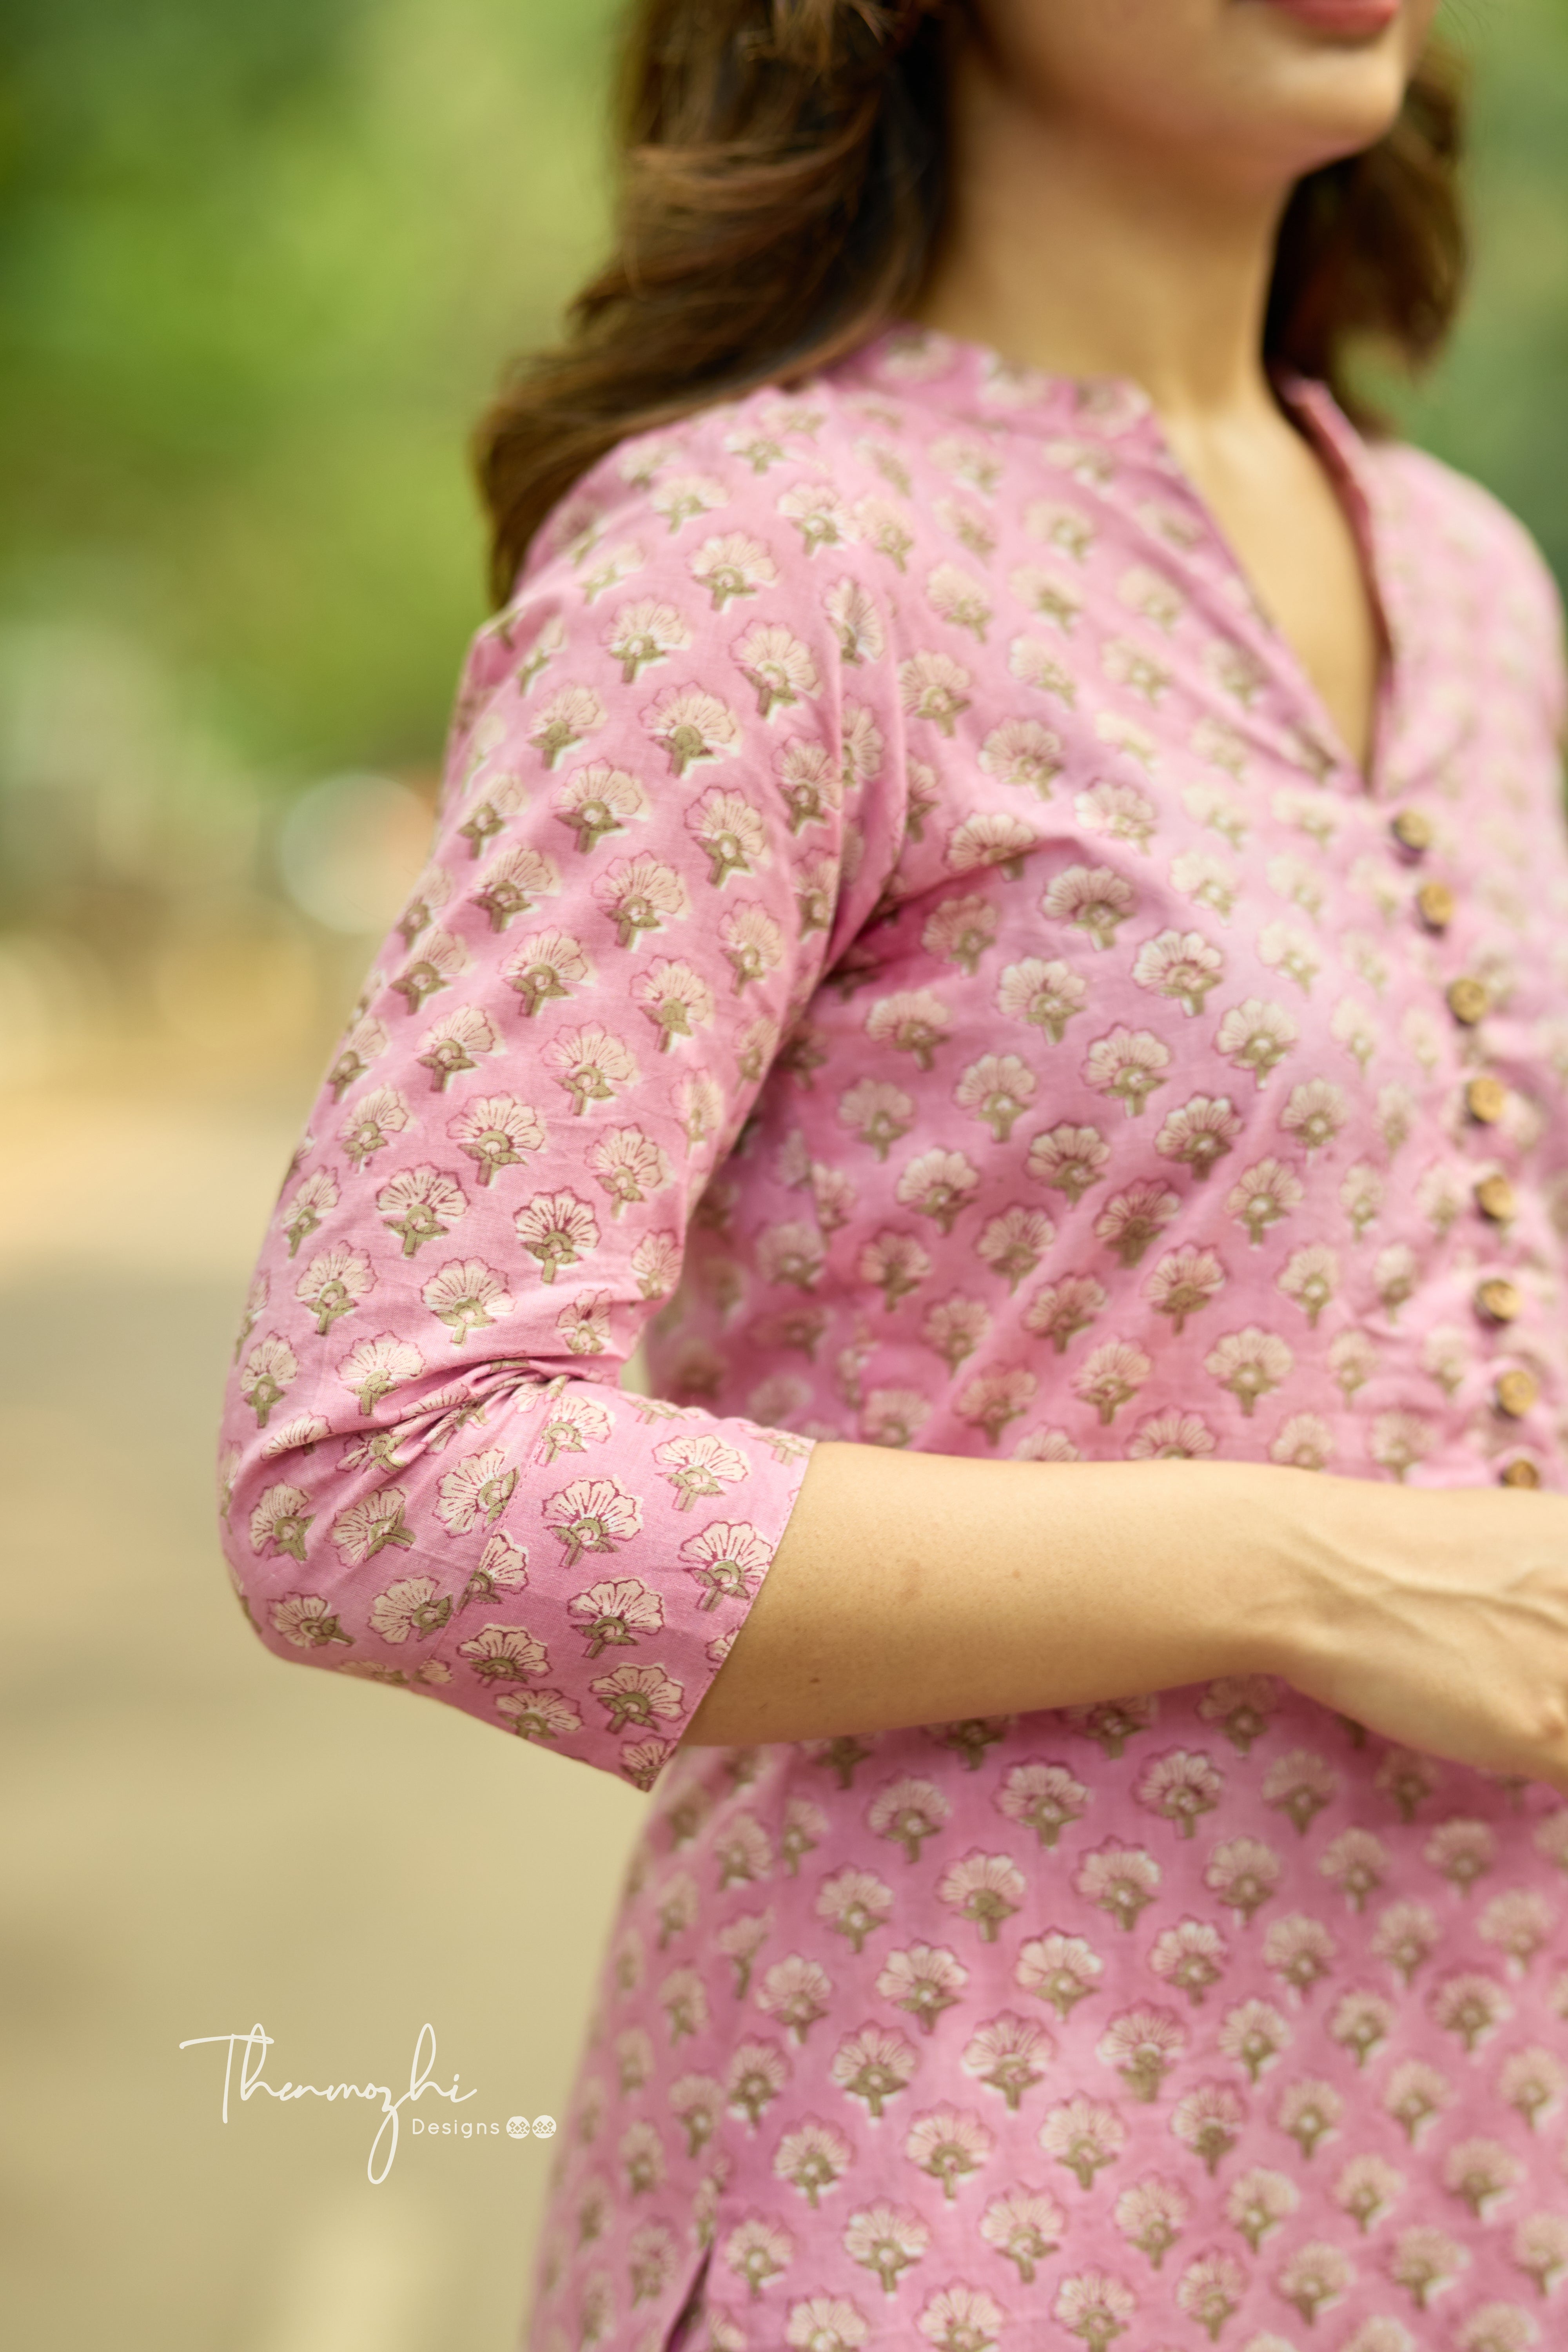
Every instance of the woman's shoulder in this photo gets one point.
(786, 465)
(1453, 512)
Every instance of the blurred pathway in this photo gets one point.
(196, 1838)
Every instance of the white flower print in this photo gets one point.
(539, 1714)
(1058, 1311)
(1070, 1159)
(681, 498)
(993, 837)
(1182, 965)
(495, 1131)
(962, 520)
(1111, 1376)
(953, 1328)
(1094, 2305)
(1291, 951)
(984, 1888)
(1023, 752)
(1315, 1113)
(1128, 1064)
(306, 1622)
(1130, 1220)
(949, 2145)
(547, 965)
(564, 721)
(505, 1654)
(795, 1993)
(1262, 1194)
(635, 1696)
(598, 800)
(923, 1981)
(313, 1200)
(1171, 1436)
(334, 1284)
(1120, 811)
(933, 686)
(454, 1043)
(267, 1371)
(370, 1125)
(1034, 663)
(374, 1367)
(961, 929)
(645, 634)
(1063, 526)
(419, 1205)
(1254, 2033)
(809, 783)
(1046, 994)
(412, 1609)
(753, 945)
(732, 565)
(280, 1521)
(778, 667)
(1257, 1036)
(1093, 898)
(938, 1184)
(366, 1040)
(1062, 1969)
(468, 1296)
(692, 726)
(820, 515)
(882, 526)
(1190, 1956)
(886, 2239)
(1183, 1281)
(513, 883)
(857, 623)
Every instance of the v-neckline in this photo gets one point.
(1317, 415)
(1111, 404)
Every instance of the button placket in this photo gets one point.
(1498, 1300)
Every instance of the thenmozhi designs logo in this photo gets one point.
(255, 2046)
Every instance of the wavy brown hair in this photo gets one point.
(783, 173)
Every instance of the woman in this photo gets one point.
(1008, 845)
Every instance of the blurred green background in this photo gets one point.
(259, 267)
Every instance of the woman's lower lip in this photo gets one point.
(1350, 19)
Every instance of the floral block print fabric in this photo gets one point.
(901, 930)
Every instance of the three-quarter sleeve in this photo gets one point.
(654, 838)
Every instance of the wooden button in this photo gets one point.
(1499, 1298)
(1411, 830)
(1515, 1390)
(1467, 998)
(1486, 1098)
(1495, 1199)
(1519, 1473)
(1436, 905)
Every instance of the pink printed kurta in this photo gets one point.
(901, 920)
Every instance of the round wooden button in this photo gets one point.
(1515, 1390)
(1467, 998)
(1499, 1298)
(1519, 1473)
(1411, 829)
(1436, 905)
(1495, 1199)
(1486, 1098)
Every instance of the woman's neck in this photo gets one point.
(1071, 250)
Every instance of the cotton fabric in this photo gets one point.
(903, 933)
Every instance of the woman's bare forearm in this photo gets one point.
(924, 1587)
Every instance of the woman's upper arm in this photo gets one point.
(646, 853)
